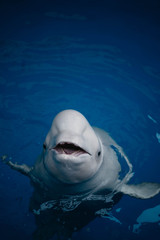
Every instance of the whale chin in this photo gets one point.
(69, 148)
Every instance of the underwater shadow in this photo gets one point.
(63, 217)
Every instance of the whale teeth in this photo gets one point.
(69, 148)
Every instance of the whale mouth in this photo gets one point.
(69, 149)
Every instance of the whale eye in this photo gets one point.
(44, 146)
(99, 153)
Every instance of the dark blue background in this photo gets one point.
(101, 58)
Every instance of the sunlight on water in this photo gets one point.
(151, 215)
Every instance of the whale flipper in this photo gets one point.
(144, 190)
(23, 168)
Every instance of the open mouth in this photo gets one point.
(69, 149)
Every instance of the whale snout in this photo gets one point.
(73, 148)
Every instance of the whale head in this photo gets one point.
(72, 151)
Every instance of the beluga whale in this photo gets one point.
(79, 164)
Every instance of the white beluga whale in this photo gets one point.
(81, 173)
(78, 158)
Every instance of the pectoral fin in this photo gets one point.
(24, 169)
(143, 190)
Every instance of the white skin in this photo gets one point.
(89, 157)
(72, 127)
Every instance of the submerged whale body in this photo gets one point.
(79, 164)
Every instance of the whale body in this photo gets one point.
(78, 175)
(77, 158)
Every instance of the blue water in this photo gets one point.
(99, 58)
